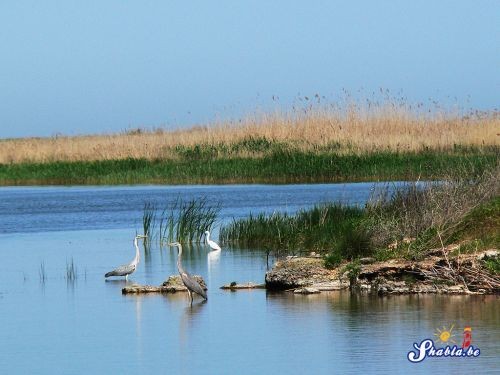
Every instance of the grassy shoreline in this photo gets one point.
(404, 223)
(284, 165)
(314, 144)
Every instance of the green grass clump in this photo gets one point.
(353, 270)
(333, 259)
(329, 227)
(493, 265)
(183, 221)
(248, 146)
(148, 220)
(480, 227)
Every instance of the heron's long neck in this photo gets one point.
(137, 253)
(208, 237)
(179, 263)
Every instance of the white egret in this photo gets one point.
(213, 245)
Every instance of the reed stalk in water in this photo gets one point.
(42, 273)
(71, 271)
(148, 221)
(183, 221)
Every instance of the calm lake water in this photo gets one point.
(88, 326)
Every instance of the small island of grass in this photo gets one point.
(429, 237)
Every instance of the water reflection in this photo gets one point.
(121, 282)
(188, 318)
(416, 313)
(213, 259)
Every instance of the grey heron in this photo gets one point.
(189, 281)
(127, 269)
(213, 245)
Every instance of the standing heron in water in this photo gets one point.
(189, 281)
(213, 245)
(127, 269)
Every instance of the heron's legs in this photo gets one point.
(190, 296)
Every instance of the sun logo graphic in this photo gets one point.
(427, 348)
(445, 335)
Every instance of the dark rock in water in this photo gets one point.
(172, 285)
(249, 285)
(306, 290)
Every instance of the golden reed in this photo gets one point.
(353, 131)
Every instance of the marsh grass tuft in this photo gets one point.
(148, 222)
(183, 221)
(352, 270)
(42, 273)
(333, 259)
(328, 227)
(71, 271)
(493, 265)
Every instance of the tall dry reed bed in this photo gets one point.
(359, 130)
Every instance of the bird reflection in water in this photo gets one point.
(213, 258)
(138, 322)
(188, 319)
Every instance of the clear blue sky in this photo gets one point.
(76, 67)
